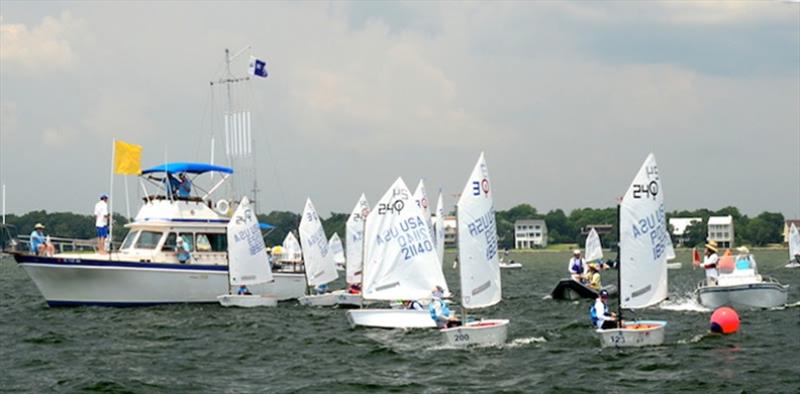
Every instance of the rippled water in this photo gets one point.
(551, 348)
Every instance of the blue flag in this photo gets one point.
(258, 67)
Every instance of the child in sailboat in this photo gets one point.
(593, 277)
(243, 290)
(439, 311)
(601, 317)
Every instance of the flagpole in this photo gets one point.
(111, 200)
(127, 199)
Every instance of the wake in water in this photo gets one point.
(519, 342)
(786, 306)
(683, 304)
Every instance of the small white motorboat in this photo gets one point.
(247, 301)
(478, 333)
(634, 334)
(337, 297)
(510, 265)
(742, 288)
(246, 257)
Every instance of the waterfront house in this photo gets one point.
(720, 229)
(530, 233)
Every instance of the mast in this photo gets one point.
(460, 271)
(619, 266)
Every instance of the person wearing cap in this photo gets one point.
(101, 222)
(601, 317)
(710, 261)
(593, 276)
(577, 266)
(39, 242)
(439, 311)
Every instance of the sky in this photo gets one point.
(566, 99)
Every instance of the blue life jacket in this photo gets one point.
(577, 266)
(593, 315)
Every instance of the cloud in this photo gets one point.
(42, 49)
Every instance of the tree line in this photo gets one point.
(763, 229)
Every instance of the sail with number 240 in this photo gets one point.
(400, 261)
(644, 240)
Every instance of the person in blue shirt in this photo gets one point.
(243, 290)
(39, 244)
(439, 311)
(321, 289)
(184, 186)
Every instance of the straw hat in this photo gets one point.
(743, 250)
(576, 251)
(39, 226)
(712, 245)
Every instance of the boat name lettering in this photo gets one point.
(654, 226)
(396, 207)
(318, 239)
(649, 190)
(461, 337)
(486, 224)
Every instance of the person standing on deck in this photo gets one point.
(601, 317)
(101, 223)
(184, 186)
(710, 261)
(577, 267)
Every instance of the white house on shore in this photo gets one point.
(679, 226)
(530, 233)
(720, 229)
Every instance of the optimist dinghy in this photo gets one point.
(335, 245)
(400, 262)
(247, 255)
(643, 248)
(479, 268)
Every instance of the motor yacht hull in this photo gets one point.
(74, 280)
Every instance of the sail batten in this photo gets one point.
(477, 241)
(644, 240)
(400, 262)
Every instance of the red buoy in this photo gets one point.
(724, 320)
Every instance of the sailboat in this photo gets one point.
(400, 262)
(318, 259)
(794, 247)
(335, 245)
(643, 246)
(292, 253)
(594, 249)
(247, 256)
(479, 268)
(354, 238)
(569, 289)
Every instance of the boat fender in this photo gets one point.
(222, 207)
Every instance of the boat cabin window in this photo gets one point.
(208, 242)
(170, 242)
(128, 241)
(148, 240)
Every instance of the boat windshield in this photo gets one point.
(148, 240)
(128, 242)
(208, 242)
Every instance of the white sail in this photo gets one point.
(794, 241)
(291, 248)
(670, 248)
(336, 248)
(438, 229)
(421, 199)
(318, 259)
(477, 241)
(644, 240)
(248, 263)
(354, 233)
(594, 249)
(400, 262)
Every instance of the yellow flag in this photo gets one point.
(127, 158)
